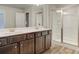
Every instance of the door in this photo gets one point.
(20, 19)
(70, 26)
(27, 46)
(40, 44)
(27, 19)
(9, 49)
(39, 19)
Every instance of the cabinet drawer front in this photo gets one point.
(38, 34)
(16, 38)
(11, 39)
(44, 32)
(3, 41)
(30, 36)
(20, 38)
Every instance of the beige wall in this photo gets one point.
(10, 15)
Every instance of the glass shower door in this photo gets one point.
(70, 26)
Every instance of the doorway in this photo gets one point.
(27, 19)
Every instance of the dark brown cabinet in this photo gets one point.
(40, 44)
(9, 49)
(27, 46)
(29, 43)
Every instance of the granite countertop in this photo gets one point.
(15, 31)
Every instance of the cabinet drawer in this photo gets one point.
(38, 34)
(16, 38)
(20, 38)
(30, 36)
(3, 41)
(11, 39)
(50, 31)
(44, 32)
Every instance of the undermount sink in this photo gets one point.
(37, 28)
(11, 30)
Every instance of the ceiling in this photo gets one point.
(22, 6)
(62, 5)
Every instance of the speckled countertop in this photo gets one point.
(15, 31)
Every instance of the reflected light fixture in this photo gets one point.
(38, 4)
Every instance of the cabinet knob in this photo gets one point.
(15, 46)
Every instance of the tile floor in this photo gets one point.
(57, 49)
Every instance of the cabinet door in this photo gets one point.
(27, 46)
(40, 44)
(48, 41)
(9, 49)
(3, 41)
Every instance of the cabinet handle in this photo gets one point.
(0, 43)
(21, 45)
(15, 46)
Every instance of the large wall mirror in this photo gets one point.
(2, 19)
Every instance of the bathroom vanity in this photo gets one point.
(25, 40)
